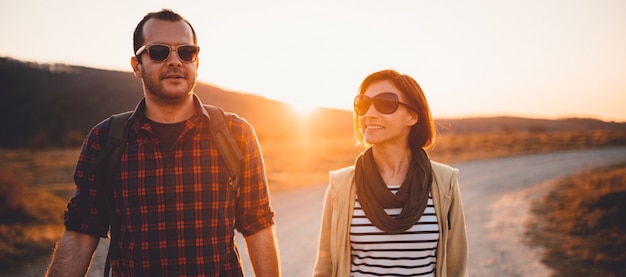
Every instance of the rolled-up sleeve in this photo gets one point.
(254, 211)
(86, 211)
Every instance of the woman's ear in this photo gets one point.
(413, 119)
(136, 65)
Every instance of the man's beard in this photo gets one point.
(157, 89)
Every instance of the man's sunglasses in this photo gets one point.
(161, 52)
(386, 103)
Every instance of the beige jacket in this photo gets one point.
(333, 257)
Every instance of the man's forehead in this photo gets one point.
(158, 30)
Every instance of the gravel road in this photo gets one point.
(496, 193)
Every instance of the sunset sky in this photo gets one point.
(532, 58)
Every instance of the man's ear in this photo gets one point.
(134, 63)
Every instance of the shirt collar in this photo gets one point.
(139, 114)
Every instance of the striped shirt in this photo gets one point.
(177, 209)
(410, 253)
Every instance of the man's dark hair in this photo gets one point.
(164, 14)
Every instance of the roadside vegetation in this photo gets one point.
(30, 222)
(452, 147)
(581, 224)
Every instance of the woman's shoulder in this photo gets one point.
(444, 176)
(343, 171)
(442, 168)
(342, 177)
(343, 174)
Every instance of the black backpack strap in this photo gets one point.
(107, 160)
(226, 144)
(116, 136)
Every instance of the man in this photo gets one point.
(177, 211)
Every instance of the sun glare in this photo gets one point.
(303, 109)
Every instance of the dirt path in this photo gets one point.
(496, 193)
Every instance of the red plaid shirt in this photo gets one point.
(177, 210)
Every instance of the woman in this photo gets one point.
(395, 212)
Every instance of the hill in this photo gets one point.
(52, 105)
(55, 105)
(507, 124)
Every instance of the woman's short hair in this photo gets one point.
(422, 134)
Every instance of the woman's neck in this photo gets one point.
(392, 164)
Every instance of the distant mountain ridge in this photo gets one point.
(54, 105)
(519, 124)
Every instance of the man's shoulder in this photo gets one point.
(100, 130)
(234, 118)
(237, 124)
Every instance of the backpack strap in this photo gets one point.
(118, 131)
(116, 137)
(226, 144)
(108, 159)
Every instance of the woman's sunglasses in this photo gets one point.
(161, 52)
(386, 103)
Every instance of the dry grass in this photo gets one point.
(30, 220)
(452, 147)
(581, 224)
